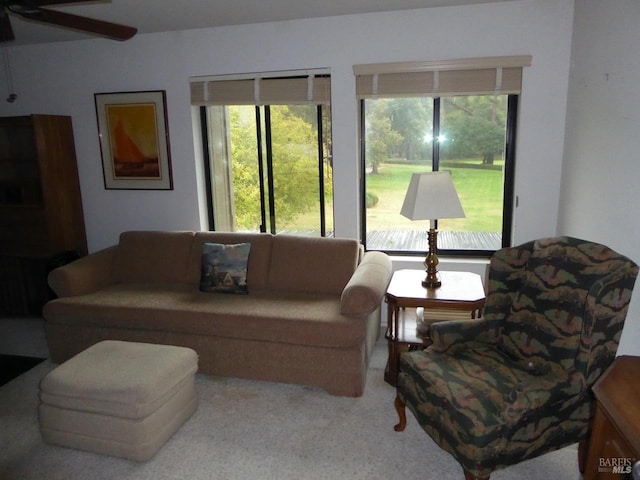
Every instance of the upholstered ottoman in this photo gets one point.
(119, 398)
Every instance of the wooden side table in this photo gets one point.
(614, 445)
(462, 291)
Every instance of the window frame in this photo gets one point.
(508, 182)
(498, 75)
(267, 208)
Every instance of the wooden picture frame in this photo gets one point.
(134, 140)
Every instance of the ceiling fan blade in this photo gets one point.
(107, 29)
(6, 32)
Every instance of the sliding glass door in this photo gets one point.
(269, 168)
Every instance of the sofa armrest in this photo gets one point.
(448, 334)
(366, 288)
(85, 275)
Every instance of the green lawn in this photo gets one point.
(480, 192)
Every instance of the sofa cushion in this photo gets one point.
(305, 264)
(224, 267)
(153, 257)
(296, 318)
(258, 264)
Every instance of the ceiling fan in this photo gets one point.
(31, 10)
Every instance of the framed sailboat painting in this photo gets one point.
(134, 140)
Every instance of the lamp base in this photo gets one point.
(432, 283)
(431, 262)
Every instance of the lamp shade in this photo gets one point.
(430, 196)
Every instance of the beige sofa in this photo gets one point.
(311, 316)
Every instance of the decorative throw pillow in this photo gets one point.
(224, 267)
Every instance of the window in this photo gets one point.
(267, 144)
(458, 116)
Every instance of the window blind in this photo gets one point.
(276, 89)
(474, 76)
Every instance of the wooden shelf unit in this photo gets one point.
(41, 214)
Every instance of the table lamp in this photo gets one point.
(430, 196)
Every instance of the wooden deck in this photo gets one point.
(413, 240)
(416, 240)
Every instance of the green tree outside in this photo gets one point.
(295, 165)
(381, 139)
(474, 127)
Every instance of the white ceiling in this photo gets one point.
(168, 15)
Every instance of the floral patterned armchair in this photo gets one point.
(516, 383)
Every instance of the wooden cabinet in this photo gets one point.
(614, 445)
(40, 203)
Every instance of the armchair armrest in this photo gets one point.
(85, 275)
(447, 334)
(365, 290)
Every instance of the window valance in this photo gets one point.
(283, 88)
(472, 76)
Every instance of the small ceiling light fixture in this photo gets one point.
(7, 69)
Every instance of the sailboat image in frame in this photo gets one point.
(134, 140)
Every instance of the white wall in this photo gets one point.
(600, 190)
(598, 193)
(62, 78)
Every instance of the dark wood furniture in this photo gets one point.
(460, 291)
(41, 217)
(614, 445)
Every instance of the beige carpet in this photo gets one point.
(254, 430)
